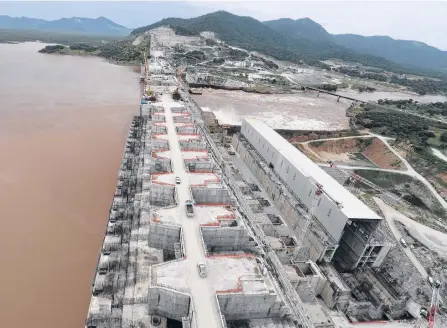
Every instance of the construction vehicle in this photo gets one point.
(189, 208)
(176, 95)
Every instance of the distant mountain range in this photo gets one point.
(412, 53)
(284, 39)
(306, 40)
(97, 26)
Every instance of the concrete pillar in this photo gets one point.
(338, 99)
(318, 94)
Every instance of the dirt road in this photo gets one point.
(431, 238)
(409, 169)
(203, 294)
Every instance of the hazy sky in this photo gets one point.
(410, 20)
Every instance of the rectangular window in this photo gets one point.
(281, 163)
(294, 176)
(287, 170)
(319, 201)
(329, 212)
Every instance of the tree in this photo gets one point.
(443, 137)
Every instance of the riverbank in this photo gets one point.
(122, 53)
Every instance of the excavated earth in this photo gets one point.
(356, 151)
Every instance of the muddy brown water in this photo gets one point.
(63, 125)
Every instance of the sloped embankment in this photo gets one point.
(357, 151)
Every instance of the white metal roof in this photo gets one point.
(352, 206)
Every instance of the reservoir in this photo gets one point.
(63, 124)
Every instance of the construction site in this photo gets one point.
(213, 227)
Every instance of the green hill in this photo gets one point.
(409, 53)
(253, 35)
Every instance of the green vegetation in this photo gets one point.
(52, 49)
(218, 61)
(80, 48)
(383, 179)
(120, 51)
(408, 53)
(362, 88)
(253, 35)
(123, 51)
(236, 54)
(414, 135)
(400, 125)
(422, 86)
(359, 72)
(428, 109)
(402, 185)
(267, 63)
(210, 42)
(327, 87)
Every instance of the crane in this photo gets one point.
(308, 216)
(434, 304)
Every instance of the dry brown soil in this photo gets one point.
(338, 150)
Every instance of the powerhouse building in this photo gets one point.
(348, 221)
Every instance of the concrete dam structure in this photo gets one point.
(149, 268)
(241, 230)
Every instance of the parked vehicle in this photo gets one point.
(403, 243)
(177, 180)
(202, 269)
(189, 208)
(423, 312)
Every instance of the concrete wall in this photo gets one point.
(218, 239)
(164, 237)
(159, 129)
(158, 118)
(335, 291)
(193, 145)
(328, 213)
(179, 109)
(168, 303)
(381, 256)
(157, 144)
(289, 210)
(275, 230)
(188, 129)
(197, 166)
(160, 164)
(182, 119)
(250, 306)
(162, 195)
(211, 195)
